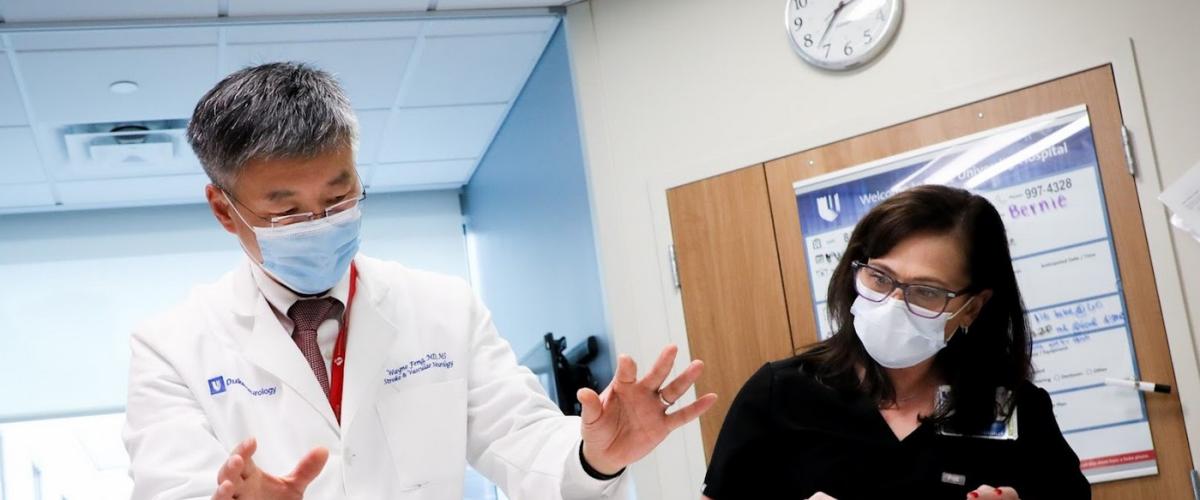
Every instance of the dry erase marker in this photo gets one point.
(1139, 385)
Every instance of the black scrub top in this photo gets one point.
(789, 436)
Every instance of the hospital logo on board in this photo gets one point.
(829, 206)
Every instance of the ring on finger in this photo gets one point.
(664, 400)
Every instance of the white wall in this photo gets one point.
(75, 284)
(422, 230)
(672, 91)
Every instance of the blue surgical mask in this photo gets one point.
(310, 257)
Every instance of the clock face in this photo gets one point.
(841, 34)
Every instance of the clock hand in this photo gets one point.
(833, 18)
(837, 10)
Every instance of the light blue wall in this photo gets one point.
(76, 283)
(529, 223)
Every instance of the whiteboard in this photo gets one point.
(1043, 177)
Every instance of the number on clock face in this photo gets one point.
(841, 34)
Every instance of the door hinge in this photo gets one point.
(1195, 484)
(1125, 142)
(674, 266)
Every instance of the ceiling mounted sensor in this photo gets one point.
(157, 143)
(123, 87)
(128, 134)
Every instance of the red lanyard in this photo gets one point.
(339, 350)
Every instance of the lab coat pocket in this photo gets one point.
(426, 430)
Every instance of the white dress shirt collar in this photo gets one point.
(282, 298)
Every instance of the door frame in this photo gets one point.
(1121, 55)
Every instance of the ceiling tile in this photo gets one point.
(496, 4)
(369, 70)
(473, 69)
(115, 38)
(135, 191)
(443, 133)
(433, 140)
(12, 112)
(492, 25)
(20, 11)
(26, 195)
(315, 32)
(20, 162)
(391, 176)
(239, 8)
(370, 130)
(83, 95)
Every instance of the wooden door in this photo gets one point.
(1094, 88)
(732, 288)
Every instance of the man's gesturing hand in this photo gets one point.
(626, 421)
(239, 478)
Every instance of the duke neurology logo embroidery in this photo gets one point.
(219, 384)
(216, 385)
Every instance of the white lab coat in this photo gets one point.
(429, 388)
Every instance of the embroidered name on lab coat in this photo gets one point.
(427, 362)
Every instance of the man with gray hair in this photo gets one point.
(312, 370)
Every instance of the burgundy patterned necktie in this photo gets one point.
(308, 315)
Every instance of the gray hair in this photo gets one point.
(275, 110)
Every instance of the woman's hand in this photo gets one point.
(986, 492)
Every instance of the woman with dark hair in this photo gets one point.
(924, 389)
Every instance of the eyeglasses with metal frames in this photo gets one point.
(286, 220)
(926, 301)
